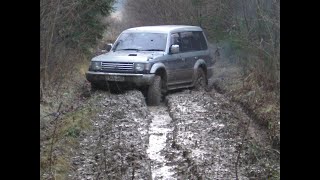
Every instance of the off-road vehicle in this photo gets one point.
(157, 58)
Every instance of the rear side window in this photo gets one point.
(199, 41)
(192, 41)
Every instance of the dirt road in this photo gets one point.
(192, 135)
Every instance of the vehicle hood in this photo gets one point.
(127, 56)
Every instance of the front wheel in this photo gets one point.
(154, 92)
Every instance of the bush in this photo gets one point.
(68, 30)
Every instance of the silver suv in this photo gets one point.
(156, 58)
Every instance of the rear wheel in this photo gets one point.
(201, 80)
(154, 92)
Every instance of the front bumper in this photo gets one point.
(137, 79)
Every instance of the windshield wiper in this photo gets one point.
(129, 49)
(152, 50)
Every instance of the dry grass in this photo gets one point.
(69, 128)
(261, 103)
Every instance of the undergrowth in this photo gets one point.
(57, 147)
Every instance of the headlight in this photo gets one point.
(95, 65)
(139, 67)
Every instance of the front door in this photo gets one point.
(175, 63)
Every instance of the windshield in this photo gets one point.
(141, 42)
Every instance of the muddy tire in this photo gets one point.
(154, 92)
(201, 80)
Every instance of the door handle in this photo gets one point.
(196, 57)
(183, 59)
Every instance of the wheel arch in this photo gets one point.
(159, 69)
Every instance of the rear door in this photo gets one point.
(193, 48)
(189, 53)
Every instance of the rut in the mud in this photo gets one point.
(158, 131)
(210, 140)
(196, 135)
(116, 146)
(204, 137)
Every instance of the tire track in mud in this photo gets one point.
(158, 132)
(210, 138)
(116, 146)
(190, 140)
(194, 135)
(205, 137)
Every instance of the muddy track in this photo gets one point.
(159, 131)
(193, 135)
(116, 147)
(202, 136)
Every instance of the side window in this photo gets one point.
(196, 43)
(189, 41)
(186, 41)
(200, 42)
(175, 39)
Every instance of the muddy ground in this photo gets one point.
(191, 135)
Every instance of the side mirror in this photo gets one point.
(174, 49)
(108, 47)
